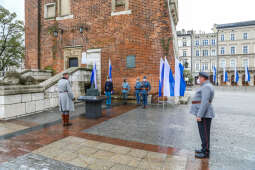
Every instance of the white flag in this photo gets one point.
(84, 58)
(166, 79)
(177, 77)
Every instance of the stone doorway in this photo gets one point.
(72, 57)
(94, 57)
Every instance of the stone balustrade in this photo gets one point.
(17, 101)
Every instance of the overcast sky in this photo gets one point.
(193, 14)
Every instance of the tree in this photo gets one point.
(187, 74)
(11, 40)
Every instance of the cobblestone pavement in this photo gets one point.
(127, 137)
(232, 137)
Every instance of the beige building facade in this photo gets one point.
(236, 49)
(230, 46)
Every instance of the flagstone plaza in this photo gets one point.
(129, 137)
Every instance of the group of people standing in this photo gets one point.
(201, 104)
(141, 89)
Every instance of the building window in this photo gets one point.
(184, 43)
(197, 66)
(197, 53)
(119, 5)
(186, 64)
(223, 63)
(232, 36)
(222, 37)
(245, 36)
(233, 63)
(233, 50)
(213, 52)
(205, 52)
(197, 42)
(205, 67)
(205, 42)
(184, 53)
(213, 65)
(131, 61)
(245, 49)
(245, 62)
(50, 10)
(64, 8)
(222, 50)
(213, 42)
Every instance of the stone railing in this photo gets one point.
(17, 101)
(39, 75)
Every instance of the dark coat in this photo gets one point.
(108, 86)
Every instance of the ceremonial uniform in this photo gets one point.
(138, 87)
(202, 108)
(108, 91)
(66, 98)
(146, 87)
(125, 90)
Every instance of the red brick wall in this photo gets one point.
(137, 34)
(31, 34)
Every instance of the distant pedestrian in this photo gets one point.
(203, 110)
(66, 98)
(138, 87)
(125, 91)
(108, 91)
(146, 87)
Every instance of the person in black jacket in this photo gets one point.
(108, 91)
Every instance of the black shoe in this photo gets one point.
(202, 155)
(198, 151)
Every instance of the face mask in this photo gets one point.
(144, 79)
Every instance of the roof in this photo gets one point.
(236, 24)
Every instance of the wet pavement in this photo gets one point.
(129, 137)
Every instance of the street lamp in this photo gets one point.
(55, 33)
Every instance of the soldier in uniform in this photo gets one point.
(146, 87)
(138, 86)
(203, 110)
(125, 90)
(108, 89)
(66, 98)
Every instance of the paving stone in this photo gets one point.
(37, 162)
(232, 132)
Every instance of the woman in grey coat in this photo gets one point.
(66, 99)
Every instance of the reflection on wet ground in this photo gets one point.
(164, 139)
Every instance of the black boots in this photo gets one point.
(202, 154)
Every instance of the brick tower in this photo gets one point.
(134, 34)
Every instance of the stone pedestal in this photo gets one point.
(93, 106)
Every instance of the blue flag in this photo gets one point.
(171, 82)
(182, 81)
(247, 75)
(236, 76)
(110, 70)
(93, 78)
(214, 74)
(225, 78)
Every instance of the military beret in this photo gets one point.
(145, 77)
(204, 74)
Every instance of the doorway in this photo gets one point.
(94, 57)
